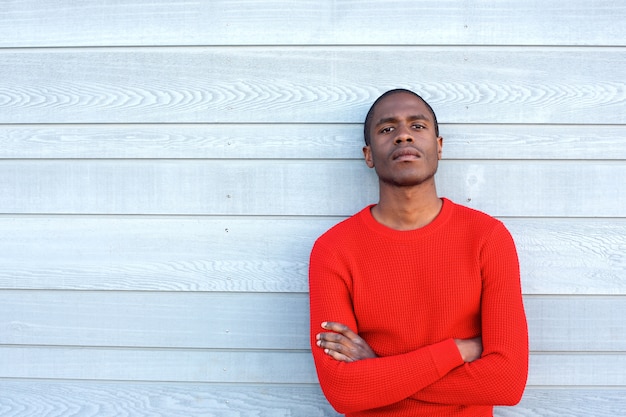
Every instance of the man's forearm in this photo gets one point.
(377, 382)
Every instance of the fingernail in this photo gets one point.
(324, 324)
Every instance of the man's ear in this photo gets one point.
(439, 147)
(367, 153)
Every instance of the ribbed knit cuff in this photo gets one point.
(446, 356)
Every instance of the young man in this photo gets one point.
(416, 305)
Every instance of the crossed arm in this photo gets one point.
(342, 344)
(486, 370)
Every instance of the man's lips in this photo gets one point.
(405, 154)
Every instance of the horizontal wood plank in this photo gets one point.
(165, 320)
(29, 23)
(576, 324)
(333, 188)
(571, 256)
(162, 180)
(293, 84)
(259, 254)
(571, 402)
(249, 367)
(256, 367)
(251, 320)
(233, 254)
(104, 399)
(300, 141)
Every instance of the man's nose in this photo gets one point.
(403, 136)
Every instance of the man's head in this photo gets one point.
(367, 127)
(402, 140)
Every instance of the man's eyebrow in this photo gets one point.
(421, 117)
(395, 119)
(385, 120)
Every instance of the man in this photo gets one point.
(416, 305)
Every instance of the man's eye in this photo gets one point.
(386, 129)
(419, 126)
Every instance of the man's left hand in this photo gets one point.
(343, 344)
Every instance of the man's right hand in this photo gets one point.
(470, 349)
(342, 344)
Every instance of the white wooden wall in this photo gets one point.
(166, 166)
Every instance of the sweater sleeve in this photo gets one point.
(499, 376)
(369, 383)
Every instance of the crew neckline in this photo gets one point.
(366, 216)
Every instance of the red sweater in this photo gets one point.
(409, 294)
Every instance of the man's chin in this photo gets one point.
(408, 181)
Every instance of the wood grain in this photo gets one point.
(300, 141)
(104, 399)
(295, 85)
(265, 254)
(46, 399)
(166, 166)
(256, 367)
(286, 187)
(158, 365)
(571, 256)
(108, 23)
(252, 320)
(576, 402)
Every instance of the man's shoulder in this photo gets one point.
(345, 228)
(471, 216)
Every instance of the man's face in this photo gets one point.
(404, 148)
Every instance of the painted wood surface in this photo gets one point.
(162, 180)
(250, 321)
(251, 367)
(81, 399)
(301, 141)
(266, 254)
(305, 187)
(319, 85)
(30, 23)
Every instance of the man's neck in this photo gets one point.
(407, 209)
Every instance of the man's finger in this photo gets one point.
(334, 337)
(339, 328)
(338, 356)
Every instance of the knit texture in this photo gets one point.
(409, 294)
